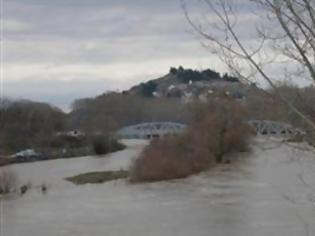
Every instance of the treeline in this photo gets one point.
(110, 111)
(187, 75)
(26, 124)
(266, 105)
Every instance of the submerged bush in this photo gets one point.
(7, 181)
(221, 127)
(218, 129)
(103, 144)
(170, 158)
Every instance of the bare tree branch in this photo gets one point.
(293, 39)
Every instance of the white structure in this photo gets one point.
(25, 154)
(273, 128)
(150, 130)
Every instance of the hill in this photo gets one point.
(183, 82)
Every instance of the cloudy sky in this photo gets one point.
(60, 50)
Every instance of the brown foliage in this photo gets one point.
(268, 106)
(111, 111)
(170, 158)
(218, 129)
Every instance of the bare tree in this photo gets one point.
(279, 34)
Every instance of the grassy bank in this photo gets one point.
(98, 177)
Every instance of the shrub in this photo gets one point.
(7, 181)
(170, 158)
(218, 129)
(103, 144)
(220, 126)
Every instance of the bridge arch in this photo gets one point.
(151, 130)
(274, 128)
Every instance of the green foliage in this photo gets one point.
(173, 70)
(192, 75)
(147, 89)
(186, 75)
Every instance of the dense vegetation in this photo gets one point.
(185, 76)
(265, 105)
(147, 89)
(103, 144)
(110, 111)
(32, 125)
(26, 124)
(218, 130)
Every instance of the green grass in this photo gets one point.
(98, 177)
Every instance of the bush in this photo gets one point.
(220, 126)
(7, 181)
(103, 144)
(218, 129)
(170, 158)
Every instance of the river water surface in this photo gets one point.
(269, 192)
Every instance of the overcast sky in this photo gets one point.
(59, 50)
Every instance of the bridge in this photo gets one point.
(151, 130)
(274, 128)
(160, 129)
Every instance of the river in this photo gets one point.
(270, 191)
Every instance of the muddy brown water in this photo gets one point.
(269, 192)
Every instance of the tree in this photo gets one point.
(147, 89)
(284, 38)
(25, 124)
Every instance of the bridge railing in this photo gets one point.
(150, 130)
(273, 128)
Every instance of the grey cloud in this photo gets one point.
(62, 92)
(49, 44)
(79, 18)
